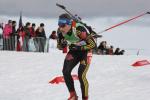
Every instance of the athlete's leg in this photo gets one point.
(82, 71)
(69, 63)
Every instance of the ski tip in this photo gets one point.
(148, 12)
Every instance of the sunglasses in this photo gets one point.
(62, 25)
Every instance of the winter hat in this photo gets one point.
(64, 19)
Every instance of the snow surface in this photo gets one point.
(26, 76)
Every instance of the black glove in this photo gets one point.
(75, 47)
(63, 43)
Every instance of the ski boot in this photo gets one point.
(85, 98)
(73, 96)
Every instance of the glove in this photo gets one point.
(75, 47)
(63, 43)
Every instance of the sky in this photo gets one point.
(26, 76)
(85, 8)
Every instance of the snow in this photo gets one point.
(25, 76)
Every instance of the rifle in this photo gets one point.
(78, 19)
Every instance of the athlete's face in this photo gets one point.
(64, 28)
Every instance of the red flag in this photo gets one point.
(141, 63)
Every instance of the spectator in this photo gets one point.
(1, 27)
(40, 32)
(13, 35)
(117, 51)
(41, 37)
(53, 35)
(6, 35)
(110, 50)
(32, 30)
(14, 27)
(103, 47)
(20, 38)
(53, 40)
(1, 37)
(33, 46)
(27, 37)
(122, 52)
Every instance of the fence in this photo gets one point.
(38, 44)
(1, 42)
(14, 43)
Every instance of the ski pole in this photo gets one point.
(126, 21)
(78, 20)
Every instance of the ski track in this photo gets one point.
(25, 76)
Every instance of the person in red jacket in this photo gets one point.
(32, 30)
(53, 35)
(7, 31)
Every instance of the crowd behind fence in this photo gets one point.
(28, 38)
(39, 44)
(33, 44)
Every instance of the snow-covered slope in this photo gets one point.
(25, 76)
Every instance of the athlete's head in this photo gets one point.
(64, 23)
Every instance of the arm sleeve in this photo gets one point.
(83, 35)
(90, 43)
(61, 43)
